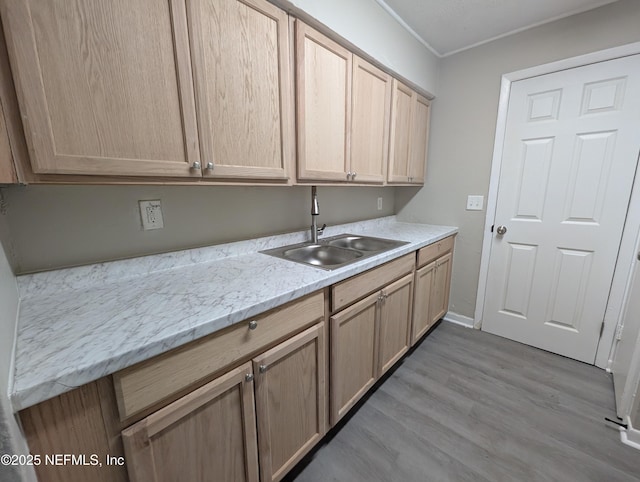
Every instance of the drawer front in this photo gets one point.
(352, 289)
(147, 383)
(435, 250)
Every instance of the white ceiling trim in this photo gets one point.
(417, 36)
(404, 25)
(527, 27)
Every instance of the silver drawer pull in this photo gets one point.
(253, 324)
(248, 377)
(262, 368)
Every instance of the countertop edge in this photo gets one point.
(23, 397)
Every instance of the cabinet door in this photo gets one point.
(441, 283)
(354, 342)
(209, 434)
(104, 87)
(395, 322)
(290, 401)
(371, 97)
(7, 169)
(323, 72)
(419, 140)
(240, 55)
(422, 312)
(401, 117)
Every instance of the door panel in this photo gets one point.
(419, 140)
(290, 401)
(323, 94)
(626, 365)
(370, 122)
(395, 322)
(105, 88)
(400, 142)
(422, 301)
(354, 341)
(240, 52)
(569, 158)
(209, 434)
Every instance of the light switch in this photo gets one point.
(475, 203)
(151, 214)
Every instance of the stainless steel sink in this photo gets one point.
(335, 252)
(362, 243)
(321, 255)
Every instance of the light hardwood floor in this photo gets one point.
(467, 405)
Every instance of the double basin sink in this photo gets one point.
(335, 252)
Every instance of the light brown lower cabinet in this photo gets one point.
(367, 338)
(395, 322)
(354, 366)
(210, 434)
(431, 294)
(220, 431)
(441, 282)
(290, 401)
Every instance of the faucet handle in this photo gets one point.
(321, 230)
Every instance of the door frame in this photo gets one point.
(626, 254)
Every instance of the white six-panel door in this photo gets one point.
(569, 157)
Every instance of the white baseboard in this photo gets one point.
(630, 436)
(452, 317)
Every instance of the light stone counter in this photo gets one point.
(77, 325)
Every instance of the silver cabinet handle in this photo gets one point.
(353, 176)
(195, 165)
(262, 368)
(501, 230)
(253, 324)
(248, 377)
(210, 166)
(349, 176)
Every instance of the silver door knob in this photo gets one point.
(210, 166)
(262, 368)
(248, 377)
(348, 176)
(353, 176)
(501, 230)
(195, 165)
(253, 324)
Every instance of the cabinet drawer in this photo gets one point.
(151, 381)
(435, 250)
(352, 289)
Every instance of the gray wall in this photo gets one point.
(369, 27)
(11, 440)
(54, 226)
(464, 118)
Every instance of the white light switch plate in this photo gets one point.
(151, 214)
(475, 203)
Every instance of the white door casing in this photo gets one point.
(568, 161)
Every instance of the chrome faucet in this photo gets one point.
(315, 212)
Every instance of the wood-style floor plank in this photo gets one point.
(465, 405)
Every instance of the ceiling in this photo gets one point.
(449, 26)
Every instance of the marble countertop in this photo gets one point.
(77, 325)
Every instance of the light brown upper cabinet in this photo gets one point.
(343, 113)
(410, 115)
(323, 70)
(240, 56)
(104, 87)
(7, 169)
(371, 97)
(107, 88)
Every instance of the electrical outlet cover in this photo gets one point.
(151, 214)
